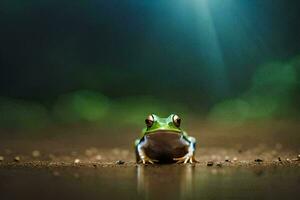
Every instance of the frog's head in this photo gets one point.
(157, 124)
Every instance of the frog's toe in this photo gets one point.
(148, 160)
(185, 159)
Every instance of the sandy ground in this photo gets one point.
(92, 173)
(257, 161)
(94, 157)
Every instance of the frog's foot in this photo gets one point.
(190, 156)
(142, 157)
(145, 159)
(185, 159)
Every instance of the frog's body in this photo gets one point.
(164, 141)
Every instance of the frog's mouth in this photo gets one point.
(162, 131)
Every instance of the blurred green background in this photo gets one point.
(114, 62)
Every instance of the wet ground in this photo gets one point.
(150, 182)
(258, 173)
(231, 166)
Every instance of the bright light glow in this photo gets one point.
(209, 41)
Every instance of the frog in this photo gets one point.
(163, 141)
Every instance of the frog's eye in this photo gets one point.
(176, 120)
(149, 120)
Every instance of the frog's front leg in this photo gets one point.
(140, 152)
(190, 156)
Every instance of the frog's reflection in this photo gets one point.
(165, 181)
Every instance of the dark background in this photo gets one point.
(78, 78)
(217, 59)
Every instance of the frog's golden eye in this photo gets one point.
(149, 120)
(176, 120)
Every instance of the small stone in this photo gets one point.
(296, 159)
(240, 151)
(120, 162)
(76, 161)
(279, 159)
(258, 160)
(95, 165)
(235, 159)
(17, 159)
(288, 160)
(227, 159)
(36, 153)
(1, 158)
(219, 164)
(210, 163)
(98, 157)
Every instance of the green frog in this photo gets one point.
(163, 141)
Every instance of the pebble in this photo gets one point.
(95, 165)
(17, 159)
(210, 163)
(297, 158)
(36, 153)
(1, 158)
(76, 161)
(219, 164)
(235, 159)
(279, 159)
(258, 160)
(227, 159)
(98, 157)
(120, 162)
